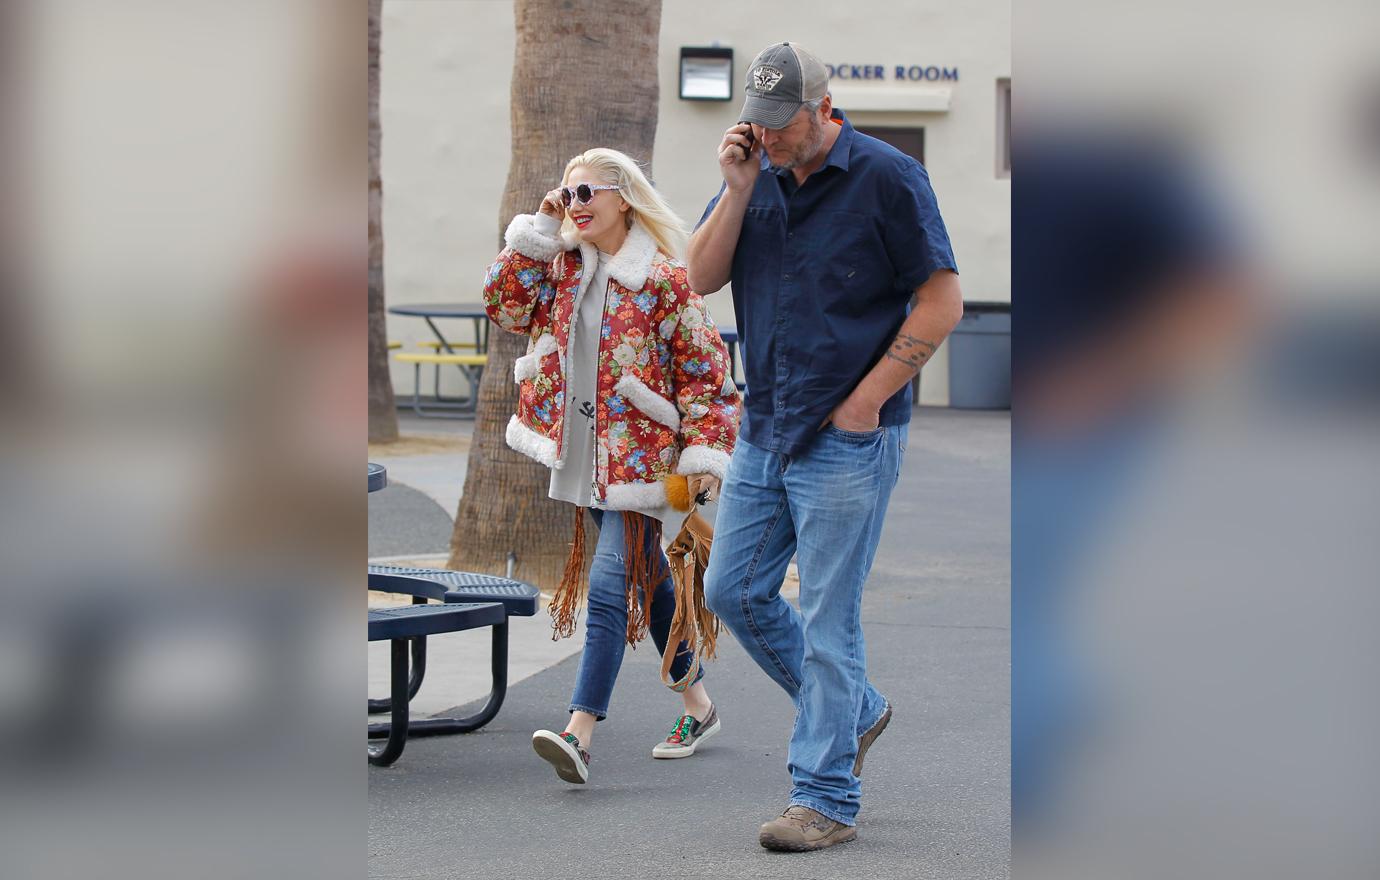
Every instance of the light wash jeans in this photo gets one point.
(826, 506)
(606, 623)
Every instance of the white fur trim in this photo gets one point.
(631, 266)
(527, 366)
(635, 496)
(701, 459)
(647, 400)
(633, 262)
(531, 444)
(523, 237)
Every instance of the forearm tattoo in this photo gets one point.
(911, 351)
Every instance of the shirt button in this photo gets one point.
(790, 235)
(786, 277)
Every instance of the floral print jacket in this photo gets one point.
(666, 400)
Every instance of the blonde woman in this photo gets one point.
(624, 383)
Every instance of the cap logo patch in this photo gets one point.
(765, 78)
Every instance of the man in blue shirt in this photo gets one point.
(827, 235)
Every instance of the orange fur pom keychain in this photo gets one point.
(678, 493)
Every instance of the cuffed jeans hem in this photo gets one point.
(598, 715)
(826, 812)
(886, 704)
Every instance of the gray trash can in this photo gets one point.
(980, 357)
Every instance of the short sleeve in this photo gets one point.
(712, 202)
(917, 243)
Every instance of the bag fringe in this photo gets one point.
(642, 552)
(693, 623)
(570, 595)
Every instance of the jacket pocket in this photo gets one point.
(648, 402)
(529, 365)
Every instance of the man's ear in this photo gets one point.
(826, 106)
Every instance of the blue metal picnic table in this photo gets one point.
(430, 311)
(469, 601)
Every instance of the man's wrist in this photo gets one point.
(739, 193)
(862, 401)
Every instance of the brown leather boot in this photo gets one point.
(801, 829)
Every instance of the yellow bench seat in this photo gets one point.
(437, 346)
(465, 360)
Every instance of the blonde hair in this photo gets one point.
(646, 206)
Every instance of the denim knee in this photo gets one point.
(718, 597)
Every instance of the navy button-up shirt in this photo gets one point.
(822, 281)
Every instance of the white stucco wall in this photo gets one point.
(446, 68)
(446, 73)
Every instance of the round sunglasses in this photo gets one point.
(583, 194)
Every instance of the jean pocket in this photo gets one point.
(854, 436)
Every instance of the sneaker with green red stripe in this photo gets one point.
(562, 751)
(686, 735)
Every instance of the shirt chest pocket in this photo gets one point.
(764, 229)
(849, 259)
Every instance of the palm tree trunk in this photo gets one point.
(383, 416)
(584, 75)
(20, 382)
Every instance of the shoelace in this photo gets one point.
(681, 730)
(806, 816)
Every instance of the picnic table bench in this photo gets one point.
(471, 367)
(468, 600)
(408, 624)
(446, 352)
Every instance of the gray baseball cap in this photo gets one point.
(779, 81)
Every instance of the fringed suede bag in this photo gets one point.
(693, 623)
(688, 554)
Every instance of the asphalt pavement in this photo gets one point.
(936, 787)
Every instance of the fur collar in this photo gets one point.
(630, 267)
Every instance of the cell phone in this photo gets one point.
(750, 138)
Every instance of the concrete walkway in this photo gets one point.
(937, 783)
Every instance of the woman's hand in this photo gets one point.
(552, 206)
(707, 483)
